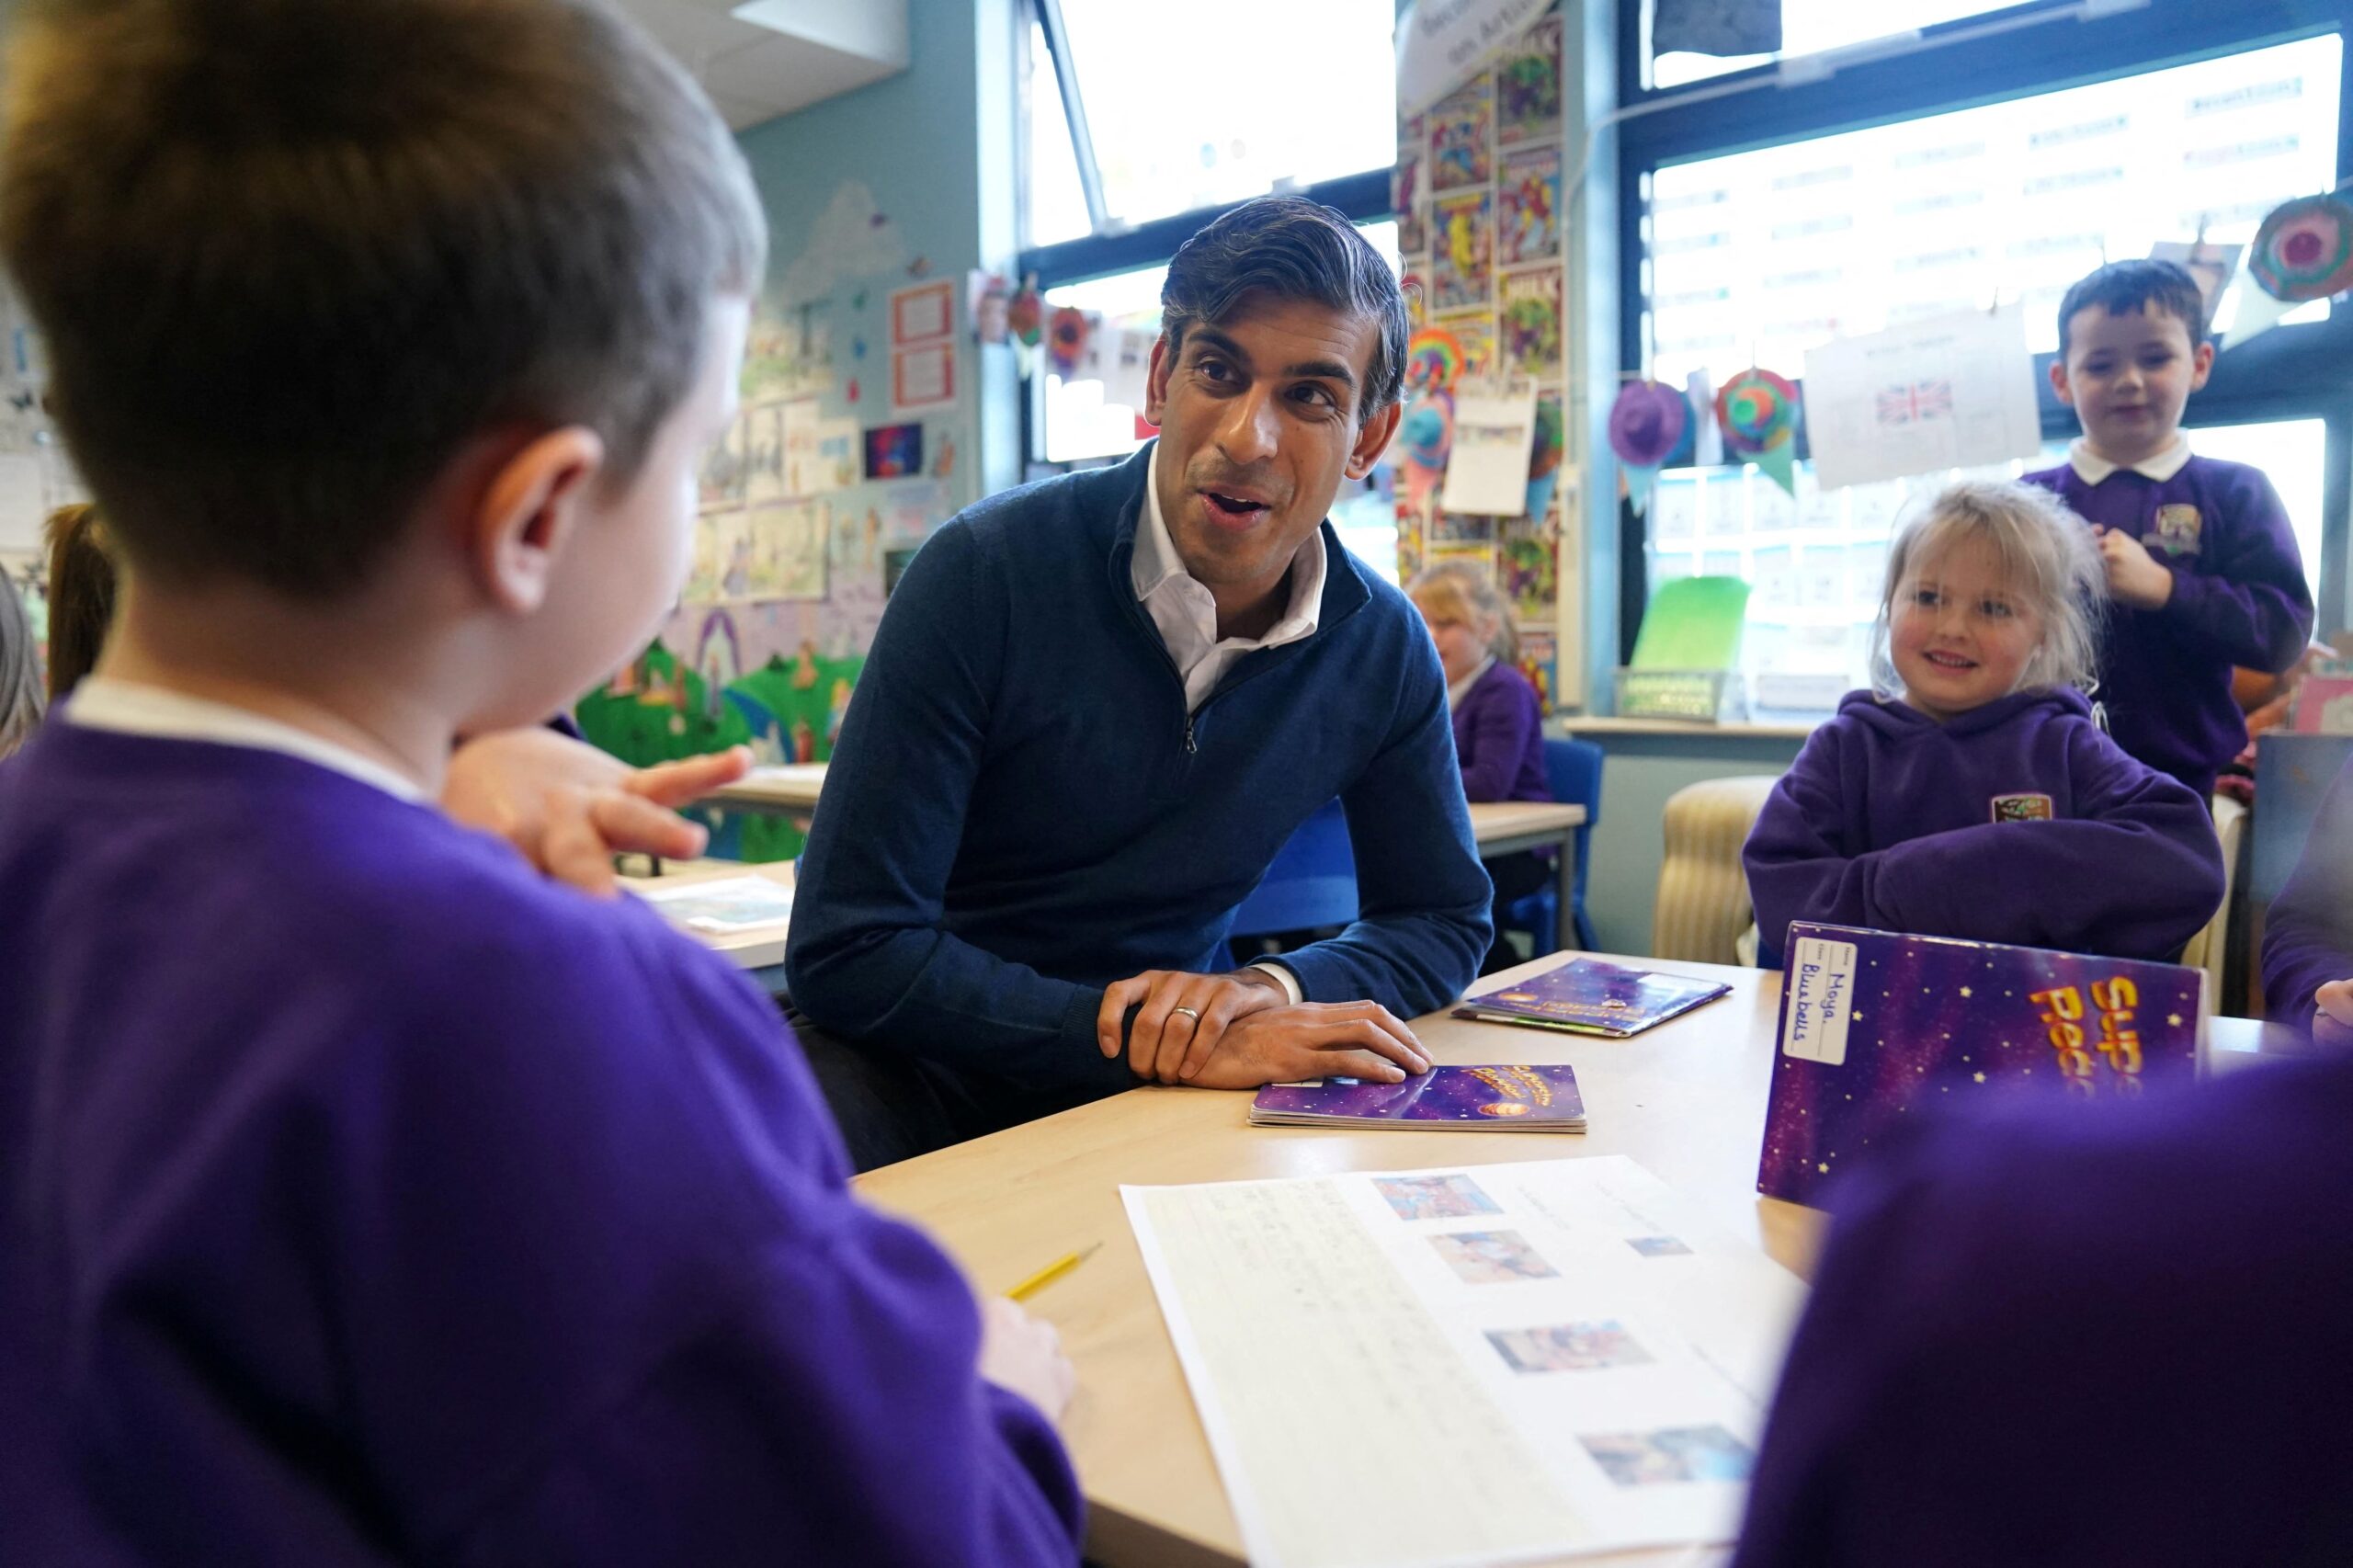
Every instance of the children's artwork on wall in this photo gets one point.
(1495, 435)
(731, 555)
(1433, 360)
(1480, 557)
(788, 551)
(1544, 458)
(923, 379)
(924, 314)
(1424, 437)
(838, 463)
(1067, 337)
(895, 451)
(1954, 391)
(852, 239)
(2303, 252)
(1463, 145)
(1758, 411)
(763, 430)
(1540, 651)
(1528, 317)
(2212, 266)
(1529, 570)
(1477, 335)
(1405, 187)
(987, 296)
(1463, 252)
(1528, 206)
(723, 476)
(1527, 86)
(1461, 527)
(787, 354)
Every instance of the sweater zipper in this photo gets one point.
(1189, 747)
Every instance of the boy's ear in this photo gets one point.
(2201, 364)
(527, 514)
(2059, 382)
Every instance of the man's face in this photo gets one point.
(2127, 377)
(1258, 425)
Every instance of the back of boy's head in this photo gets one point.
(2043, 551)
(2130, 287)
(290, 256)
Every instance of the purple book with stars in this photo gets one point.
(1876, 1026)
(1493, 1099)
(1590, 996)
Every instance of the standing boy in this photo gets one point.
(2203, 574)
(366, 1198)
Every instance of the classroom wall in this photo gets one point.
(1638, 774)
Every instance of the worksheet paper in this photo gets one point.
(723, 904)
(1480, 1365)
(1952, 392)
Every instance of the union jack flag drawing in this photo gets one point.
(1919, 401)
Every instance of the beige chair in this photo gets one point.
(2210, 948)
(1702, 906)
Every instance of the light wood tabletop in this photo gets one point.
(759, 949)
(1686, 1099)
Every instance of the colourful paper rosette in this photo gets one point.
(1434, 361)
(1758, 413)
(2304, 250)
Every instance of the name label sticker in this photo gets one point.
(1820, 1001)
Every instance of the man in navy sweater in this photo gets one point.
(1097, 706)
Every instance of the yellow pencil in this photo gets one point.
(1053, 1271)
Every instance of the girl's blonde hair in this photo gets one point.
(1457, 591)
(2043, 549)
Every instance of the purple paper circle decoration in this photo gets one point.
(1646, 422)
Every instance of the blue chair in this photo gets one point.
(1310, 883)
(1572, 768)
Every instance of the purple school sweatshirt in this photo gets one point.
(2308, 934)
(2073, 1334)
(1499, 738)
(2017, 822)
(2240, 599)
(365, 1199)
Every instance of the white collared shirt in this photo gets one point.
(2091, 467)
(1461, 689)
(126, 708)
(1185, 612)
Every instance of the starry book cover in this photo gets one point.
(1876, 1026)
(1493, 1099)
(1589, 997)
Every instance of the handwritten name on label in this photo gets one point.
(1819, 1002)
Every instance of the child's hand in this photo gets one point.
(2134, 576)
(1024, 1355)
(568, 808)
(2333, 1019)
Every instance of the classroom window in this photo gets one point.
(1054, 200)
(1163, 105)
(1808, 27)
(1757, 256)
(1815, 564)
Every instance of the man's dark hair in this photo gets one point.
(290, 255)
(2132, 288)
(1289, 248)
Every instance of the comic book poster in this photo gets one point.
(1463, 145)
(1527, 319)
(1530, 573)
(1527, 86)
(1462, 251)
(1527, 207)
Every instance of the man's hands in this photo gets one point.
(1249, 1033)
(2134, 576)
(2333, 1019)
(568, 808)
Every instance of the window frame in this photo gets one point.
(2301, 371)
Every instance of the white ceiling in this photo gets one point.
(809, 51)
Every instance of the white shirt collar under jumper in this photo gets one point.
(1461, 689)
(2091, 467)
(126, 708)
(1186, 611)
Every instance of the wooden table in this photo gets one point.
(758, 949)
(1686, 1099)
(1503, 828)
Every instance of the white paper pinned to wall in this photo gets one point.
(1951, 392)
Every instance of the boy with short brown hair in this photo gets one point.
(368, 1197)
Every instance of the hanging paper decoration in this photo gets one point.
(1025, 318)
(1425, 436)
(2303, 252)
(1434, 361)
(1645, 423)
(1067, 339)
(1758, 411)
(1544, 462)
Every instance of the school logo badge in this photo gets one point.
(2178, 530)
(2022, 807)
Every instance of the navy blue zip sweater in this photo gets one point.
(1020, 811)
